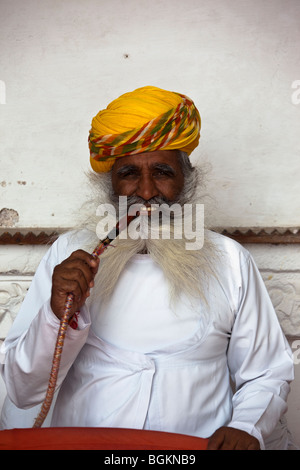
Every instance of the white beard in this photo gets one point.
(186, 271)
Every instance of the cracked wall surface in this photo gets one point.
(8, 217)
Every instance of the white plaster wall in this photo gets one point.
(61, 61)
(239, 60)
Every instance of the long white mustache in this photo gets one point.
(154, 221)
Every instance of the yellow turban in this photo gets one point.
(143, 120)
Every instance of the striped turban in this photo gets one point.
(143, 120)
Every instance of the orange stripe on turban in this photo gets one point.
(143, 120)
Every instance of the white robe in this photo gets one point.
(139, 364)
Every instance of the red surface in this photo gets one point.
(96, 439)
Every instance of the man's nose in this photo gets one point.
(146, 188)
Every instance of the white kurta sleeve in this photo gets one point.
(259, 359)
(27, 353)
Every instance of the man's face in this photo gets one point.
(148, 175)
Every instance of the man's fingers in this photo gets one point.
(81, 274)
(72, 286)
(226, 438)
(90, 260)
(216, 441)
(77, 269)
(74, 275)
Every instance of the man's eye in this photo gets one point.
(128, 174)
(163, 173)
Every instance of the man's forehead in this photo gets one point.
(150, 165)
(149, 159)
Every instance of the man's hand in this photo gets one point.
(74, 275)
(226, 438)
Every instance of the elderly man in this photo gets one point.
(160, 335)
